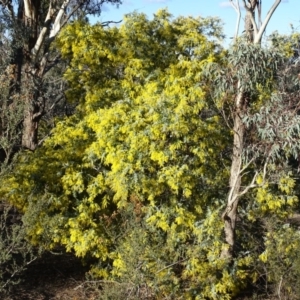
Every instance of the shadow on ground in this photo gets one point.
(52, 277)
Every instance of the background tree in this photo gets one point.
(31, 27)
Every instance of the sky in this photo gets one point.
(287, 13)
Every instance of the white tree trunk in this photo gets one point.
(235, 190)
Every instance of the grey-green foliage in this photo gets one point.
(11, 104)
(249, 64)
(276, 119)
(277, 124)
(16, 253)
(253, 65)
(11, 116)
(271, 91)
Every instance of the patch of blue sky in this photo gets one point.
(287, 13)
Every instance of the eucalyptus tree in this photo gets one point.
(254, 87)
(32, 26)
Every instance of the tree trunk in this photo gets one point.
(230, 214)
(24, 73)
(250, 15)
(30, 123)
(30, 127)
(254, 35)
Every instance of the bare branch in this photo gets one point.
(247, 165)
(265, 168)
(231, 198)
(107, 23)
(57, 23)
(236, 6)
(171, 265)
(258, 36)
(29, 10)
(75, 8)
(253, 184)
(57, 100)
(37, 47)
(52, 63)
(250, 186)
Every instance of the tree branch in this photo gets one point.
(237, 8)
(250, 186)
(107, 23)
(171, 265)
(57, 23)
(70, 15)
(258, 36)
(37, 47)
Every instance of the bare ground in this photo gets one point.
(52, 277)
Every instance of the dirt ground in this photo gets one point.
(52, 277)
